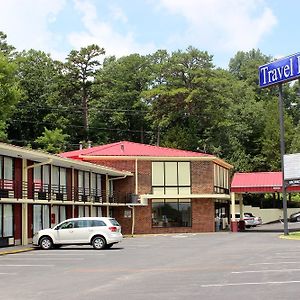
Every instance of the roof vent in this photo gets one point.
(80, 145)
(89, 144)
(122, 147)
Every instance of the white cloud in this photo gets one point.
(26, 23)
(118, 14)
(103, 34)
(228, 25)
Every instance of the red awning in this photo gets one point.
(259, 182)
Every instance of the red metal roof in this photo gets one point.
(257, 182)
(125, 148)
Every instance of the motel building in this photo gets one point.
(148, 189)
(38, 190)
(171, 190)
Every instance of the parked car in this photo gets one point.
(249, 221)
(295, 217)
(100, 232)
(257, 220)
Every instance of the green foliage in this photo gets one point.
(174, 99)
(36, 74)
(6, 49)
(117, 104)
(53, 141)
(9, 91)
(80, 68)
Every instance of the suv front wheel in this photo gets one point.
(98, 242)
(46, 243)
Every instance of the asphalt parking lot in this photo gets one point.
(198, 266)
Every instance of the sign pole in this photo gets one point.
(282, 151)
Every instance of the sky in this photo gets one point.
(123, 27)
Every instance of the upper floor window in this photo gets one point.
(83, 182)
(6, 172)
(221, 179)
(171, 178)
(41, 177)
(95, 184)
(59, 179)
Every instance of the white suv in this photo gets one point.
(100, 232)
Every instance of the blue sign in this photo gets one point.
(279, 71)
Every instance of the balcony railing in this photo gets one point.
(47, 192)
(221, 190)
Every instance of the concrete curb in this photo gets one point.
(13, 251)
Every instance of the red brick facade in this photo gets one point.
(202, 181)
(203, 215)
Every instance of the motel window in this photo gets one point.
(6, 220)
(41, 217)
(59, 179)
(6, 172)
(83, 211)
(95, 184)
(221, 179)
(60, 213)
(171, 213)
(41, 177)
(171, 178)
(89, 183)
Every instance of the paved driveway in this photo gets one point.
(184, 266)
(276, 227)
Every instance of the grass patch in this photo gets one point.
(292, 236)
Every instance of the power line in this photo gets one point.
(105, 110)
(81, 126)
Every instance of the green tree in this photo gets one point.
(53, 141)
(5, 48)
(118, 106)
(179, 93)
(271, 136)
(80, 68)
(37, 73)
(9, 92)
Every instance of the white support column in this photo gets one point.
(24, 205)
(133, 221)
(233, 223)
(136, 177)
(232, 206)
(107, 194)
(24, 223)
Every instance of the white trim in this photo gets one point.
(157, 158)
(187, 196)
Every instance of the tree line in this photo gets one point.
(177, 99)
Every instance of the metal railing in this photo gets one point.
(47, 192)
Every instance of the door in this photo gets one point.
(64, 233)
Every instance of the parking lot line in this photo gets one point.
(60, 254)
(6, 265)
(275, 263)
(248, 283)
(42, 258)
(266, 271)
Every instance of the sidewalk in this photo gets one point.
(15, 249)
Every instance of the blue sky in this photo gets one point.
(122, 27)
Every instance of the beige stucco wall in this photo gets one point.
(267, 215)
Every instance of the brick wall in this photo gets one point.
(202, 175)
(202, 209)
(124, 165)
(202, 219)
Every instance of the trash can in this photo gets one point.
(241, 225)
